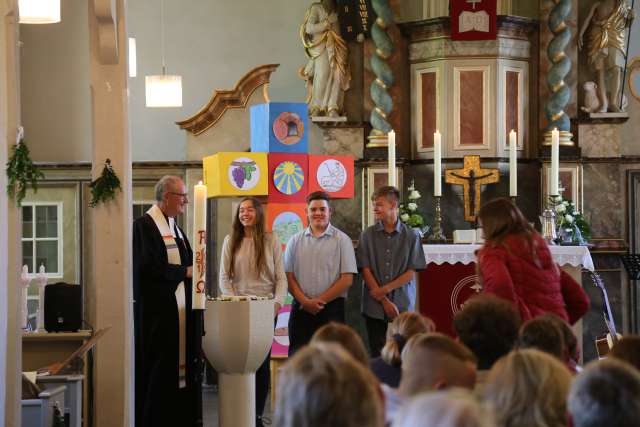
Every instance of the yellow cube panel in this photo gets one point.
(236, 174)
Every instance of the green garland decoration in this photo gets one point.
(21, 173)
(104, 187)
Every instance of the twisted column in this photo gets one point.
(384, 76)
(560, 92)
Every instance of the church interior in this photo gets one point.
(427, 101)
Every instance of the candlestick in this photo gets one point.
(438, 235)
(513, 164)
(24, 282)
(555, 163)
(391, 154)
(199, 290)
(41, 280)
(437, 164)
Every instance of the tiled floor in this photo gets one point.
(210, 407)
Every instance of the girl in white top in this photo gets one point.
(251, 264)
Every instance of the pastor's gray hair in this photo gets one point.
(163, 184)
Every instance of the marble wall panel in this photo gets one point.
(604, 201)
(599, 140)
(444, 47)
(429, 108)
(336, 141)
(471, 107)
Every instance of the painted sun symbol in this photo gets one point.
(288, 177)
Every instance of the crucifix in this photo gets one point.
(471, 177)
(473, 3)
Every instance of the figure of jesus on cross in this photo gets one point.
(471, 177)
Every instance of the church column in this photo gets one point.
(10, 260)
(111, 245)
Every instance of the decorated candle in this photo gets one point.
(391, 154)
(437, 164)
(199, 294)
(555, 162)
(513, 164)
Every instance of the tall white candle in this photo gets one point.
(513, 164)
(437, 164)
(199, 292)
(24, 282)
(41, 280)
(391, 154)
(555, 162)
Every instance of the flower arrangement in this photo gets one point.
(409, 211)
(571, 224)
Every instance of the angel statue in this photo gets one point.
(607, 23)
(327, 72)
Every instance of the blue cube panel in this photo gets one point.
(279, 127)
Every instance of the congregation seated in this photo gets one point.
(346, 337)
(488, 326)
(323, 385)
(606, 393)
(627, 349)
(387, 366)
(448, 408)
(528, 388)
(430, 362)
(543, 334)
(571, 354)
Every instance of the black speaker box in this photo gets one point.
(62, 307)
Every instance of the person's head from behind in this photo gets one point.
(386, 201)
(344, 336)
(318, 210)
(500, 218)
(249, 221)
(571, 348)
(528, 388)
(448, 408)
(543, 334)
(403, 327)
(627, 349)
(171, 195)
(434, 361)
(606, 393)
(488, 326)
(322, 385)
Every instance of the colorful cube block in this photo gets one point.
(333, 174)
(288, 177)
(285, 220)
(236, 174)
(279, 127)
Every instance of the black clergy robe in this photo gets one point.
(158, 399)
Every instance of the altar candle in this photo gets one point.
(437, 164)
(199, 295)
(24, 281)
(555, 162)
(513, 164)
(41, 280)
(391, 154)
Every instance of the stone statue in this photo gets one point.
(607, 22)
(327, 73)
(591, 100)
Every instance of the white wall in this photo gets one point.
(55, 91)
(212, 44)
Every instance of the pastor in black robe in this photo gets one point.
(159, 400)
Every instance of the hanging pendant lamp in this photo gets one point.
(163, 90)
(39, 11)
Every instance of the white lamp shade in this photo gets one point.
(163, 91)
(39, 11)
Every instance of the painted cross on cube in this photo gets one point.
(473, 3)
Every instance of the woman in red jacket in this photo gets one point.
(515, 264)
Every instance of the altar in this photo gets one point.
(450, 278)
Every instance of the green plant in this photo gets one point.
(21, 173)
(409, 211)
(105, 186)
(570, 221)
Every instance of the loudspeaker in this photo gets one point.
(62, 307)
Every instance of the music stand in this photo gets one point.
(631, 264)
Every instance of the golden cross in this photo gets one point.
(471, 177)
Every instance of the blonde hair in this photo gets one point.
(528, 388)
(402, 328)
(346, 337)
(449, 408)
(322, 385)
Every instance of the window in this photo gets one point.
(42, 237)
(141, 207)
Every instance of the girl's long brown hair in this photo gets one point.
(501, 218)
(258, 237)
